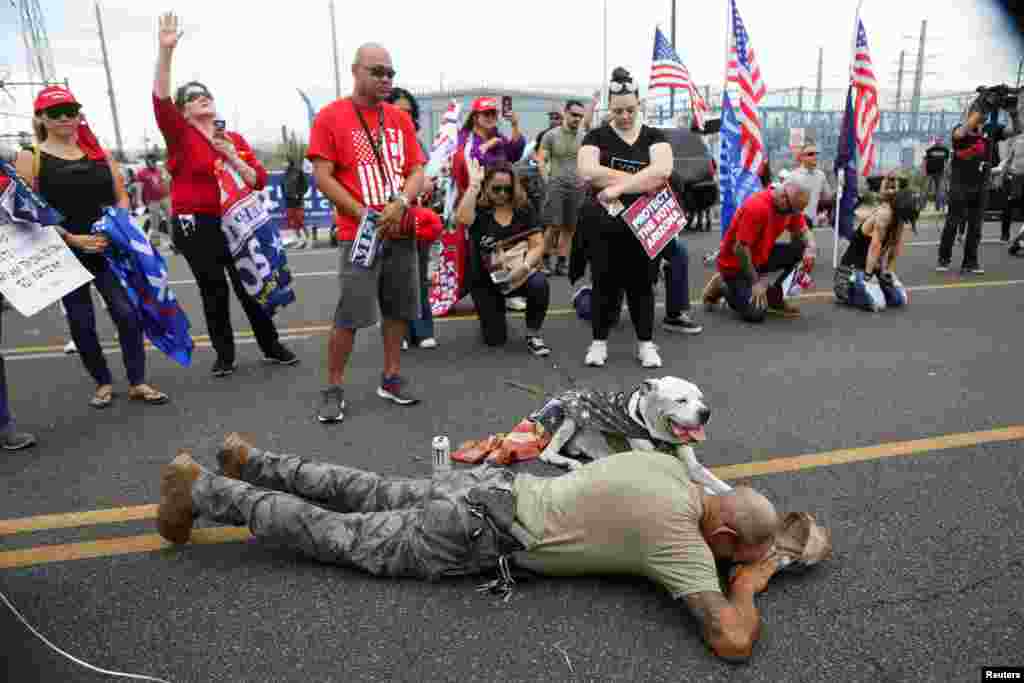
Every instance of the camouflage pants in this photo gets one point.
(422, 528)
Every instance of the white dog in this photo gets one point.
(666, 414)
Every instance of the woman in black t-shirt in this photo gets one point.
(506, 245)
(621, 161)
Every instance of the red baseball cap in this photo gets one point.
(485, 104)
(52, 96)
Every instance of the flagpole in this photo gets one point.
(841, 179)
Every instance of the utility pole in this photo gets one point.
(672, 91)
(110, 84)
(334, 43)
(915, 103)
(899, 80)
(1020, 70)
(817, 92)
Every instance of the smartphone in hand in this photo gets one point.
(506, 107)
(219, 126)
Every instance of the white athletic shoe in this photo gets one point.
(597, 354)
(428, 343)
(515, 303)
(70, 347)
(647, 354)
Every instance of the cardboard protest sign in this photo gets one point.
(36, 267)
(655, 219)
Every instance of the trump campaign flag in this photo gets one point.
(142, 272)
(846, 171)
(735, 181)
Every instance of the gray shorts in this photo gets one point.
(390, 289)
(562, 205)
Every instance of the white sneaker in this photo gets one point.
(647, 354)
(428, 343)
(597, 354)
(515, 303)
(405, 344)
(70, 347)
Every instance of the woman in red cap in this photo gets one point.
(194, 146)
(78, 178)
(479, 139)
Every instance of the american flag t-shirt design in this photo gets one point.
(374, 187)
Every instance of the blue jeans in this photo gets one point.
(82, 321)
(739, 290)
(424, 327)
(677, 278)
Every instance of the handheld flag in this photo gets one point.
(668, 71)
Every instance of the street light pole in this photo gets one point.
(110, 84)
(334, 43)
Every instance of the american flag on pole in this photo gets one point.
(668, 71)
(865, 103)
(744, 70)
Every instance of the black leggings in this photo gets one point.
(206, 251)
(490, 307)
(618, 263)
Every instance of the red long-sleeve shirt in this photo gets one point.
(190, 160)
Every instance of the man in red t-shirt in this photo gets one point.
(365, 156)
(154, 192)
(749, 250)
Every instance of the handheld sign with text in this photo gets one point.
(655, 220)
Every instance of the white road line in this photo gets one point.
(315, 273)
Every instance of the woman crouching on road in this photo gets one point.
(506, 246)
(78, 178)
(871, 256)
(196, 149)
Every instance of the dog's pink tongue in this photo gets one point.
(693, 434)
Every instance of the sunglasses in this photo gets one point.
(499, 189)
(381, 72)
(61, 111)
(620, 87)
(193, 95)
(810, 154)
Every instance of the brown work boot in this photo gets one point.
(714, 290)
(174, 515)
(233, 455)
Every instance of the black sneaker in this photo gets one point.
(332, 405)
(281, 356)
(537, 346)
(393, 389)
(222, 368)
(976, 269)
(682, 323)
(1014, 247)
(942, 266)
(15, 441)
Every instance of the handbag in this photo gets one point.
(509, 255)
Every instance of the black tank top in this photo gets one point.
(79, 189)
(856, 255)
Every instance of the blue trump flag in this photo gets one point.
(734, 181)
(846, 170)
(22, 205)
(143, 274)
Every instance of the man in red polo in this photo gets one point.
(749, 251)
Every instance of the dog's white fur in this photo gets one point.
(653, 406)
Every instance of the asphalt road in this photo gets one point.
(927, 582)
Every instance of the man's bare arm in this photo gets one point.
(730, 626)
(323, 172)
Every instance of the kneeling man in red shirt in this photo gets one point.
(749, 252)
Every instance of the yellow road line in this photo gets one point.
(150, 542)
(111, 547)
(886, 450)
(203, 340)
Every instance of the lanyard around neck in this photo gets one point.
(377, 144)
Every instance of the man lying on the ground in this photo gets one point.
(635, 513)
(749, 251)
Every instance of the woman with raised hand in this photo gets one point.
(78, 178)
(195, 146)
(621, 161)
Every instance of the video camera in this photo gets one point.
(993, 98)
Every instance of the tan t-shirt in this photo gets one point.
(632, 513)
(561, 147)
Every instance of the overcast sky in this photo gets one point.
(254, 55)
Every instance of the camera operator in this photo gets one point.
(973, 153)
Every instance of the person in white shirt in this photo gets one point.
(816, 180)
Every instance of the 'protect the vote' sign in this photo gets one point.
(655, 220)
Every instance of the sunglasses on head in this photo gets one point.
(621, 87)
(60, 111)
(382, 72)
